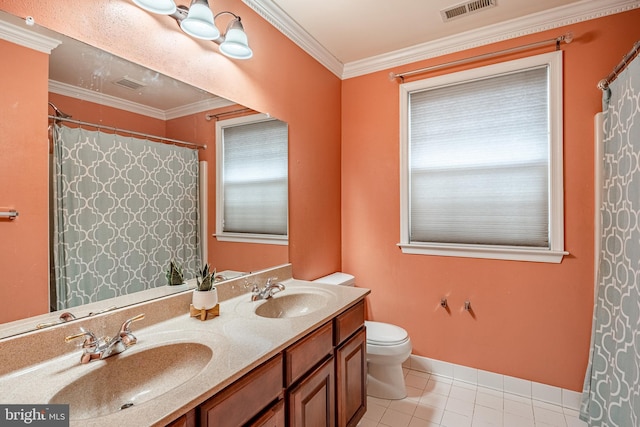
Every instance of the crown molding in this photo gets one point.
(134, 107)
(27, 38)
(103, 99)
(287, 26)
(197, 107)
(554, 18)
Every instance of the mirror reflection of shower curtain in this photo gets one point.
(125, 207)
(611, 395)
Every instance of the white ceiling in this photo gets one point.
(354, 37)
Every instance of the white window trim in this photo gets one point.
(220, 235)
(555, 253)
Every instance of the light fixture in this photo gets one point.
(235, 43)
(162, 7)
(198, 21)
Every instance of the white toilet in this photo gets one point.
(388, 346)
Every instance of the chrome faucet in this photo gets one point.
(270, 288)
(100, 348)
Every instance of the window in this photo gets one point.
(252, 180)
(481, 162)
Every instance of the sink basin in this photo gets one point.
(130, 379)
(293, 304)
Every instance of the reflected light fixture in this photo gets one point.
(198, 21)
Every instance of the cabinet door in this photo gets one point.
(274, 417)
(351, 380)
(312, 402)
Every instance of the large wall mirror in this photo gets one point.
(89, 85)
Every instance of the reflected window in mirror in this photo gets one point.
(252, 180)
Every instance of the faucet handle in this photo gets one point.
(270, 280)
(127, 323)
(90, 339)
(126, 337)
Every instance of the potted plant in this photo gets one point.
(205, 295)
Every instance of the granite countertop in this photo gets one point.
(237, 341)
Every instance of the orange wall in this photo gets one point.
(531, 320)
(24, 165)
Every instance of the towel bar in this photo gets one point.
(11, 214)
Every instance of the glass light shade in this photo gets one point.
(199, 21)
(235, 44)
(162, 7)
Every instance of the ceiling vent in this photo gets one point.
(129, 83)
(465, 9)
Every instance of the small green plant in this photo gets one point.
(205, 278)
(174, 274)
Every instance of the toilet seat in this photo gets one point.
(384, 334)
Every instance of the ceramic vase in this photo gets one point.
(204, 300)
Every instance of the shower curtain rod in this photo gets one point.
(563, 38)
(604, 83)
(130, 132)
(208, 117)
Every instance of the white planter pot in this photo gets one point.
(204, 300)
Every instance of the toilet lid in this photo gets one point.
(379, 333)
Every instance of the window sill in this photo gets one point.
(479, 251)
(264, 239)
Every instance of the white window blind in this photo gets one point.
(479, 160)
(254, 177)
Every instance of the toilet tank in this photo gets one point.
(341, 279)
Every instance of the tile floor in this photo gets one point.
(439, 401)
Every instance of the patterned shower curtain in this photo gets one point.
(611, 395)
(124, 208)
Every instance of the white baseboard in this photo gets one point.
(568, 399)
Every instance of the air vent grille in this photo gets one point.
(464, 9)
(129, 83)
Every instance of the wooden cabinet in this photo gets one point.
(351, 379)
(319, 381)
(311, 403)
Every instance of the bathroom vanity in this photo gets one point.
(318, 377)
(298, 356)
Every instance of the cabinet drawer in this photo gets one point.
(308, 352)
(244, 399)
(349, 322)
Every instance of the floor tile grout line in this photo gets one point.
(559, 413)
